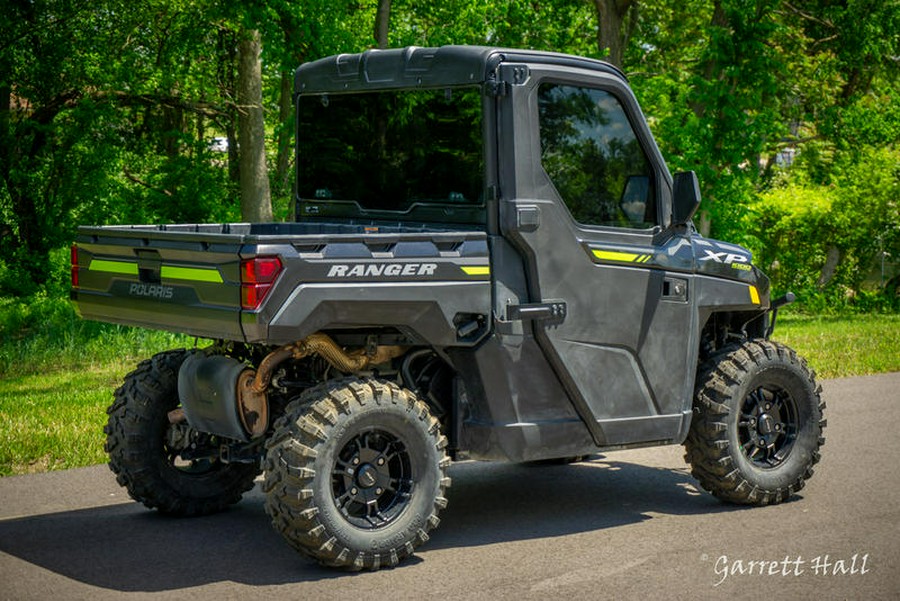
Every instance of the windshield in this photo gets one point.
(379, 154)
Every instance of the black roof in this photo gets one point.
(423, 67)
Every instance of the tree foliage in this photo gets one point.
(120, 112)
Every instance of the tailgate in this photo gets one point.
(187, 282)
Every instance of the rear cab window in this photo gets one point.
(412, 155)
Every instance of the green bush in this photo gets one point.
(41, 333)
(824, 242)
(790, 235)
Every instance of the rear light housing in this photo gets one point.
(74, 261)
(257, 277)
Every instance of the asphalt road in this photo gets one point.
(627, 525)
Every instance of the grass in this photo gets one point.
(844, 346)
(43, 335)
(57, 377)
(58, 372)
(54, 420)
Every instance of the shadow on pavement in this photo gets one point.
(127, 548)
(492, 503)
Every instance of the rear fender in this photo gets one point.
(440, 314)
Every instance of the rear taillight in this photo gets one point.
(74, 256)
(257, 276)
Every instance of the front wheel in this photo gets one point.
(356, 474)
(757, 424)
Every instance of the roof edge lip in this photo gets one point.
(424, 67)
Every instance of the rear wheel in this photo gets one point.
(166, 466)
(355, 474)
(757, 424)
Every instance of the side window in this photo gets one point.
(593, 157)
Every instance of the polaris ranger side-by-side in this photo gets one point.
(490, 260)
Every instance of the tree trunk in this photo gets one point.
(711, 67)
(612, 35)
(5, 143)
(285, 112)
(256, 200)
(832, 260)
(382, 22)
(173, 126)
(705, 223)
(227, 83)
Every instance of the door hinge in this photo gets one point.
(496, 88)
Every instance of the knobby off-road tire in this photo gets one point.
(757, 424)
(144, 448)
(356, 474)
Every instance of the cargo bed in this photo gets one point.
(187, 278)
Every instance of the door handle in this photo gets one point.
(675, 289)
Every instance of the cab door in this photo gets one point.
(585, 198)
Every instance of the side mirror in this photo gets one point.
(686, 197)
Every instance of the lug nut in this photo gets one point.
(381, 461)
(378, 491)
(353, 491)
(356, 461)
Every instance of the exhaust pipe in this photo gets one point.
(328, 349)
(224, 396)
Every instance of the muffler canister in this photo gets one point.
(217, 396)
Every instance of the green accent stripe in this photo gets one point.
(477, 270)
(196, 274)
(611, 255)
(620, 257)
(120, 267)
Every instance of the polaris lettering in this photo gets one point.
(152, 290)
(382, 270)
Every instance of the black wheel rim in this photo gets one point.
(767, 428)
(372, 479)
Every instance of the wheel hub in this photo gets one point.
(189, 451)
(372, 479)
(367, 476)
(767, 426)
